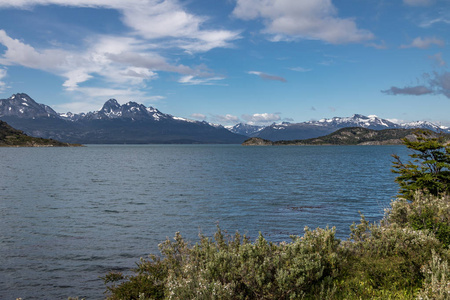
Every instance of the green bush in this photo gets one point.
(437, 279)
(379, 261)
(425, 212)
(233, 268)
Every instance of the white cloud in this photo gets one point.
(152, 19)
(25, 55)
(418, 2)
(198, 116)
(300, 69)
(3, 74)
(259, 119)
(302, 19)
(424, 43)
(117, 61)
(90, 99)
(429, 23)
(193, 80)
(267, 76)
(226, 119)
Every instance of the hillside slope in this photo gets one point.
(11, 137)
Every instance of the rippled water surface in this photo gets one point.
(69, 215)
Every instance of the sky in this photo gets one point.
(231, 61)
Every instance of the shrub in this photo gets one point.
(233, 268)
(437, 279)
(425, 212)
(383, 260)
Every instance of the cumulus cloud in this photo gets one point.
(438, 84)
(25, 55)
(306, 19)
(226, 119)
(264, 118)
(118, 65)
(131, 60)
(418, 2)
(117, 61)
(424, 43)
(267, 76)
(152, 19)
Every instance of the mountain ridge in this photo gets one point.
(347, 136)
(130, 123)
(135, 123)
(312, 129)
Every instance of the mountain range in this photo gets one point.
(130, 123)
(350, 136)
(312, 129)
(134, 123)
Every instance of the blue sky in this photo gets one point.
(230, 61)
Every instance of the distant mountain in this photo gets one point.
(357, 120)
(245, 129)
(22, 106)
(425, 125)
(313, 129)
(113, 110)
(11, 137)
(130, 123)
(346, 136)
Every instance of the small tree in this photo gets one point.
(430, 169)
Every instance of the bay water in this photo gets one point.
(70, 215)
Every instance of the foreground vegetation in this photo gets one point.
(403, 256)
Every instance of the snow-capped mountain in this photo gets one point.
(22, 106)
(425, 125)
(245, 129)
(113, 110)
(370, 122)
(131, 123)
(313, 129)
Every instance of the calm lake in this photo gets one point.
(70, 215)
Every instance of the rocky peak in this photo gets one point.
(23, 106)
(110, 106)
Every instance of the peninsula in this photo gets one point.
(11, 137)
(346, 136)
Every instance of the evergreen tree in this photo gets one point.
(429, 171)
